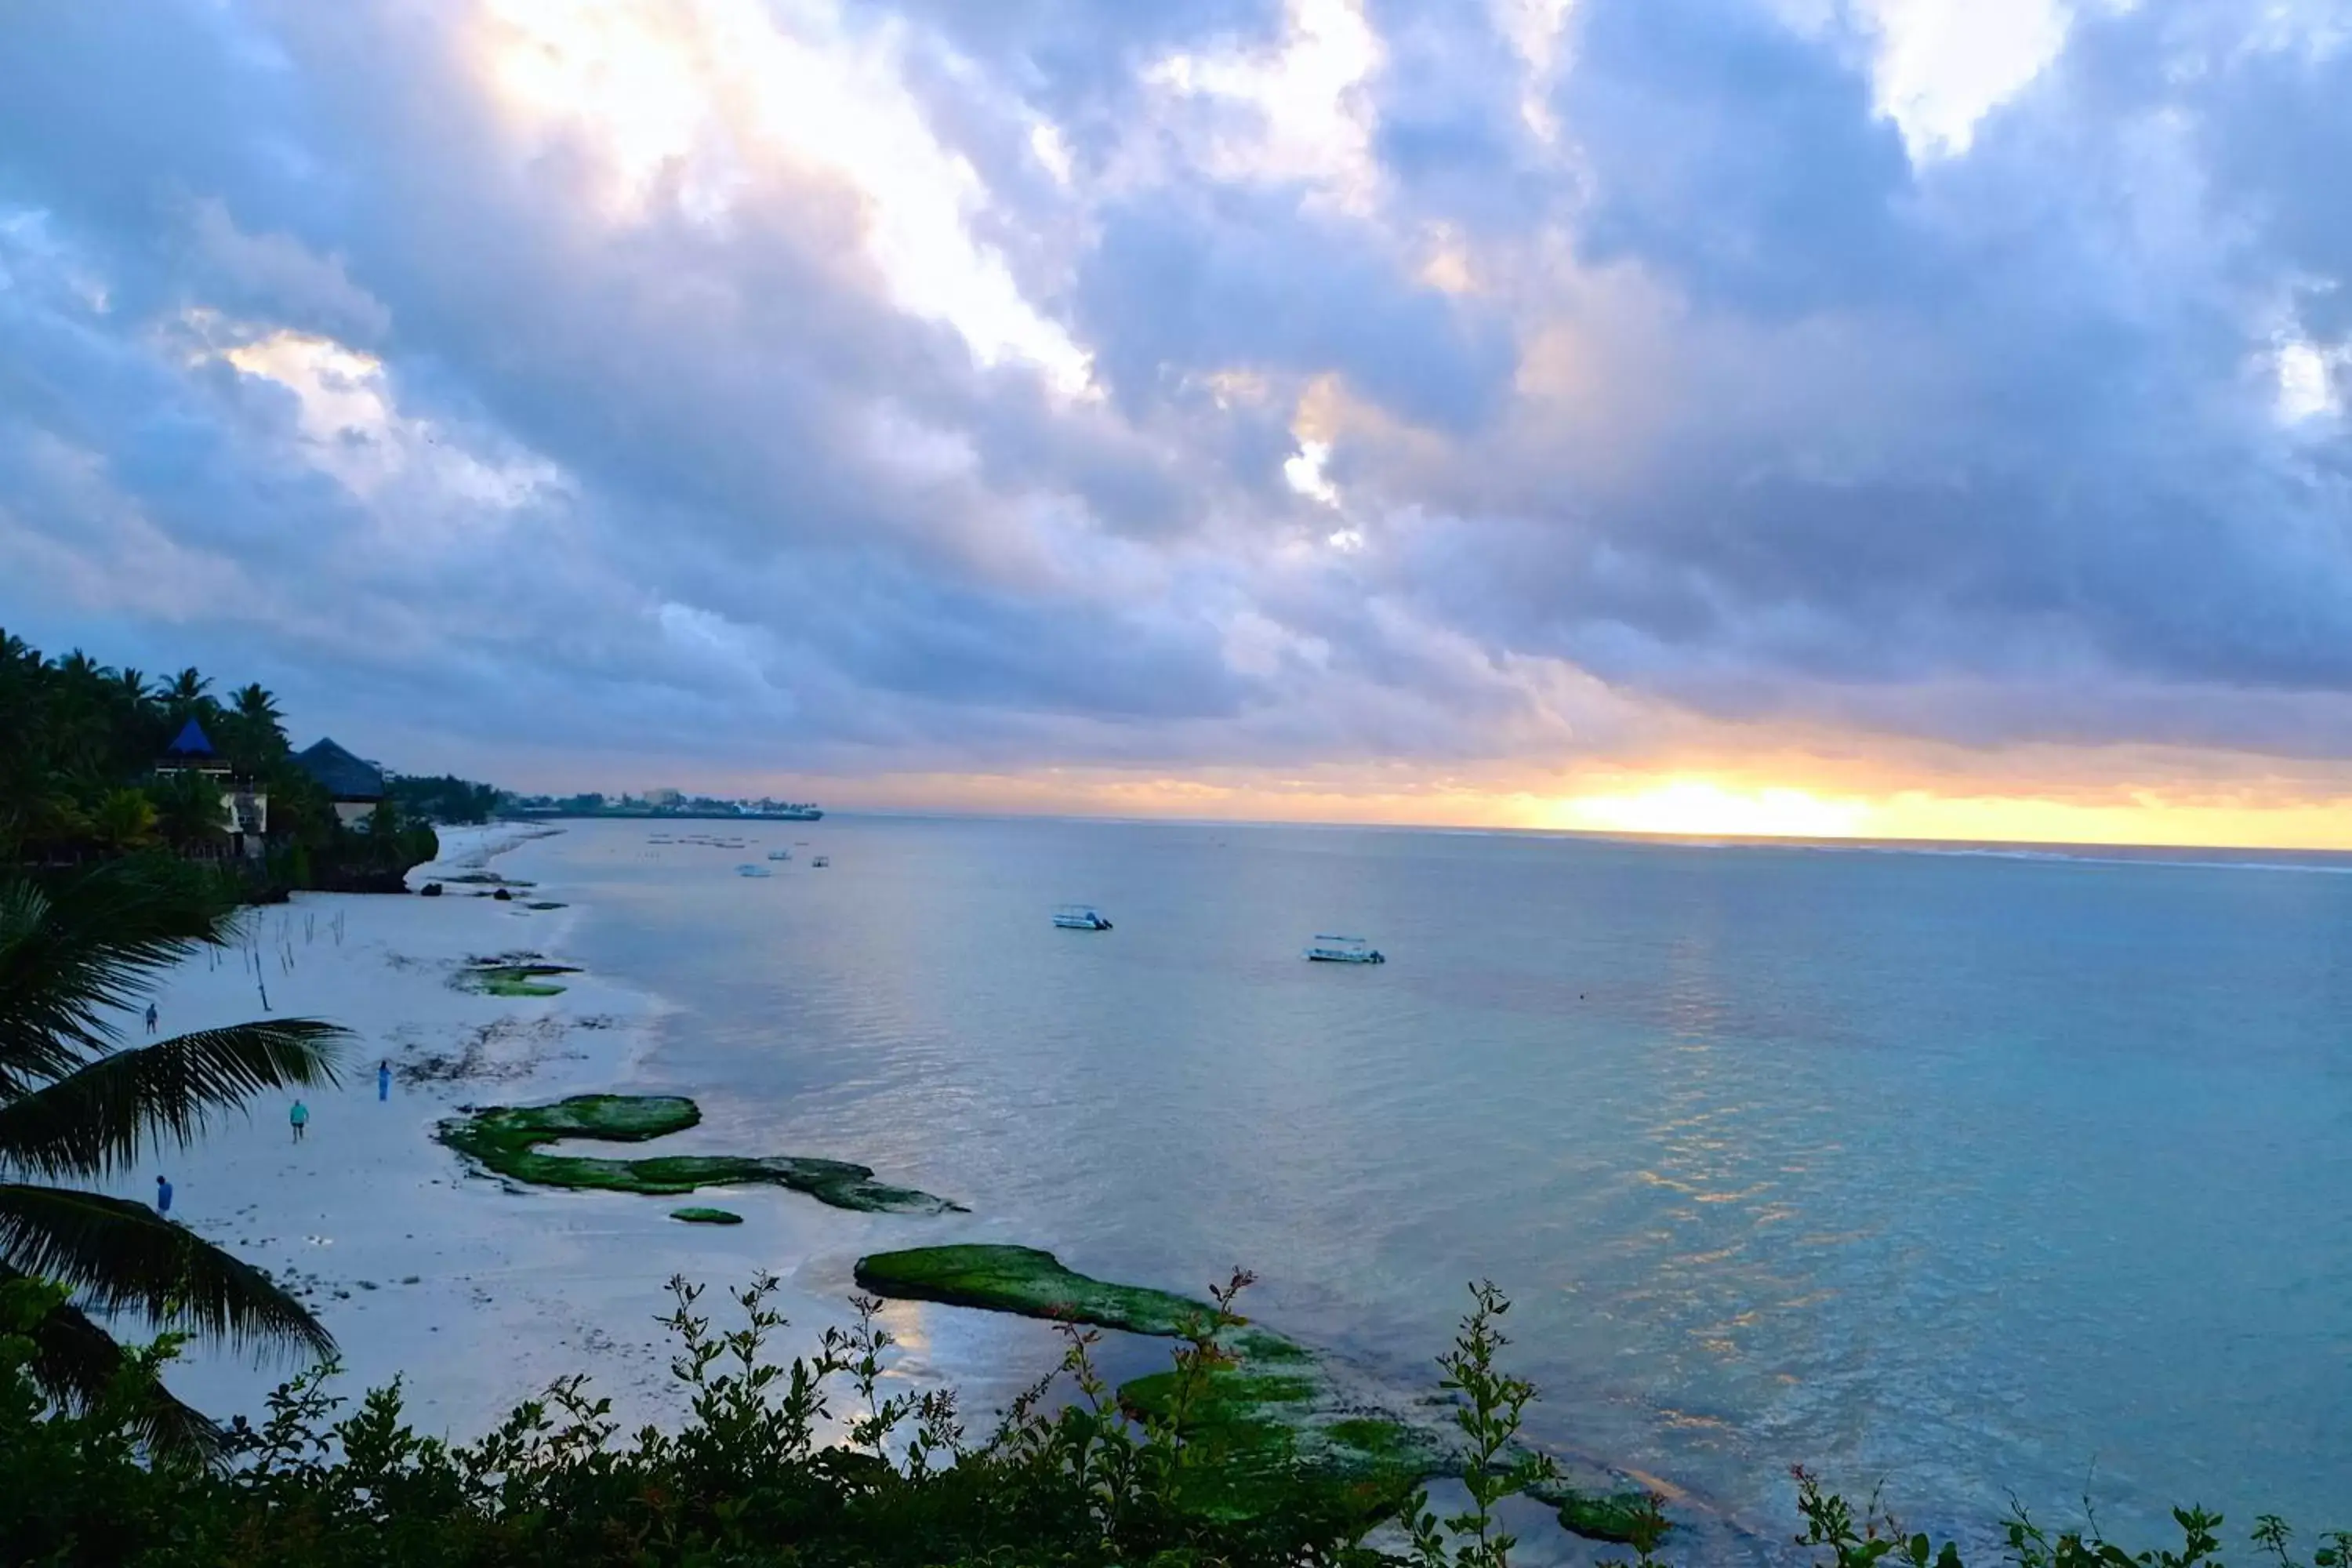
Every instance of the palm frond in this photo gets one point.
(118, 1255)
(71, 955)
(76, 1363)
(106, 1114)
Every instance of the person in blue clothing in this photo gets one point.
(383, 1080)
(298, 1118)
(151, 1017)
(162, 1196)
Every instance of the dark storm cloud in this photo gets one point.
(1742, 159)
(1671, 364)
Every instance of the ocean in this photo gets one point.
(1969, 1174)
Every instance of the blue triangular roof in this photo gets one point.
(193, 742)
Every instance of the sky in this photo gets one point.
(1889, 418)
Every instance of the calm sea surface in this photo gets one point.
(1969, 1173)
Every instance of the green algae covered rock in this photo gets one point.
(1263, 1442)
(1268, 1429)
(513, 979)
(1025, 1280)
(706, 1216)
(507, 1140)
(1619, 1517)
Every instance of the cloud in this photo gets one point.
(1329, 383)
(276, 274)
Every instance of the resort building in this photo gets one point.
(355, 786)
(244, 811)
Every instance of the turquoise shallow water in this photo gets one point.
(1972, 1174)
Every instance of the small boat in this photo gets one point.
(821, 862)
(1344, 950)
(748, 869)
(1080, 917)
(780, 854)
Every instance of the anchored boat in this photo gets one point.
(821, 862)
(748, 869)
(1080, 917)
(780, 854)
(1344, 950)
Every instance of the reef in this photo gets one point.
(497, 978)
(1269, 1428)
(507, 1141)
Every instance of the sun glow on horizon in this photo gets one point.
(1705, 808)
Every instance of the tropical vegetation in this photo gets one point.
(78, 1104)
(817, 1461)
(80, 781)
(445, 798)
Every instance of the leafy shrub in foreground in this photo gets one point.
(746, 1483)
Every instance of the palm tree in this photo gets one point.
(124, 821)
(184, 693)
(76, 1103)
(80, 667)
(257, 705)
(258, 728)
(190, 813)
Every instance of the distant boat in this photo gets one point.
(1344, 950)
(821, 862)
(1080, 917)
(748, 869)
(780, 854)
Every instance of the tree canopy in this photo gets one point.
(79, 778)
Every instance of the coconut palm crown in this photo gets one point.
(78, 1104)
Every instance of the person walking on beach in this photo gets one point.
(383, 1080)
(162, 1196)
(299, 1118)
(151, 1017)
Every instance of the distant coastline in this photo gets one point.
(659, 813)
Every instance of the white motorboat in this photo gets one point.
(780, 854)
(748, 869)
(1080, 917)
(1344, 950)
(821, 862)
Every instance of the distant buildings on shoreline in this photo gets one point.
(667, 803)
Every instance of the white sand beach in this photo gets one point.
(474, 1292)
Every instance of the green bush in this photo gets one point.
(746, 1481)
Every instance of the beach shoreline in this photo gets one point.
(474, 1292)
(477, 1292)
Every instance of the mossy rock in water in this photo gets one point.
(1269, 1434)
(1262, 1445)
(1619, 1518)
(506, 1140)
(1026, 1281)
(706, 1216)
(514, 979)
